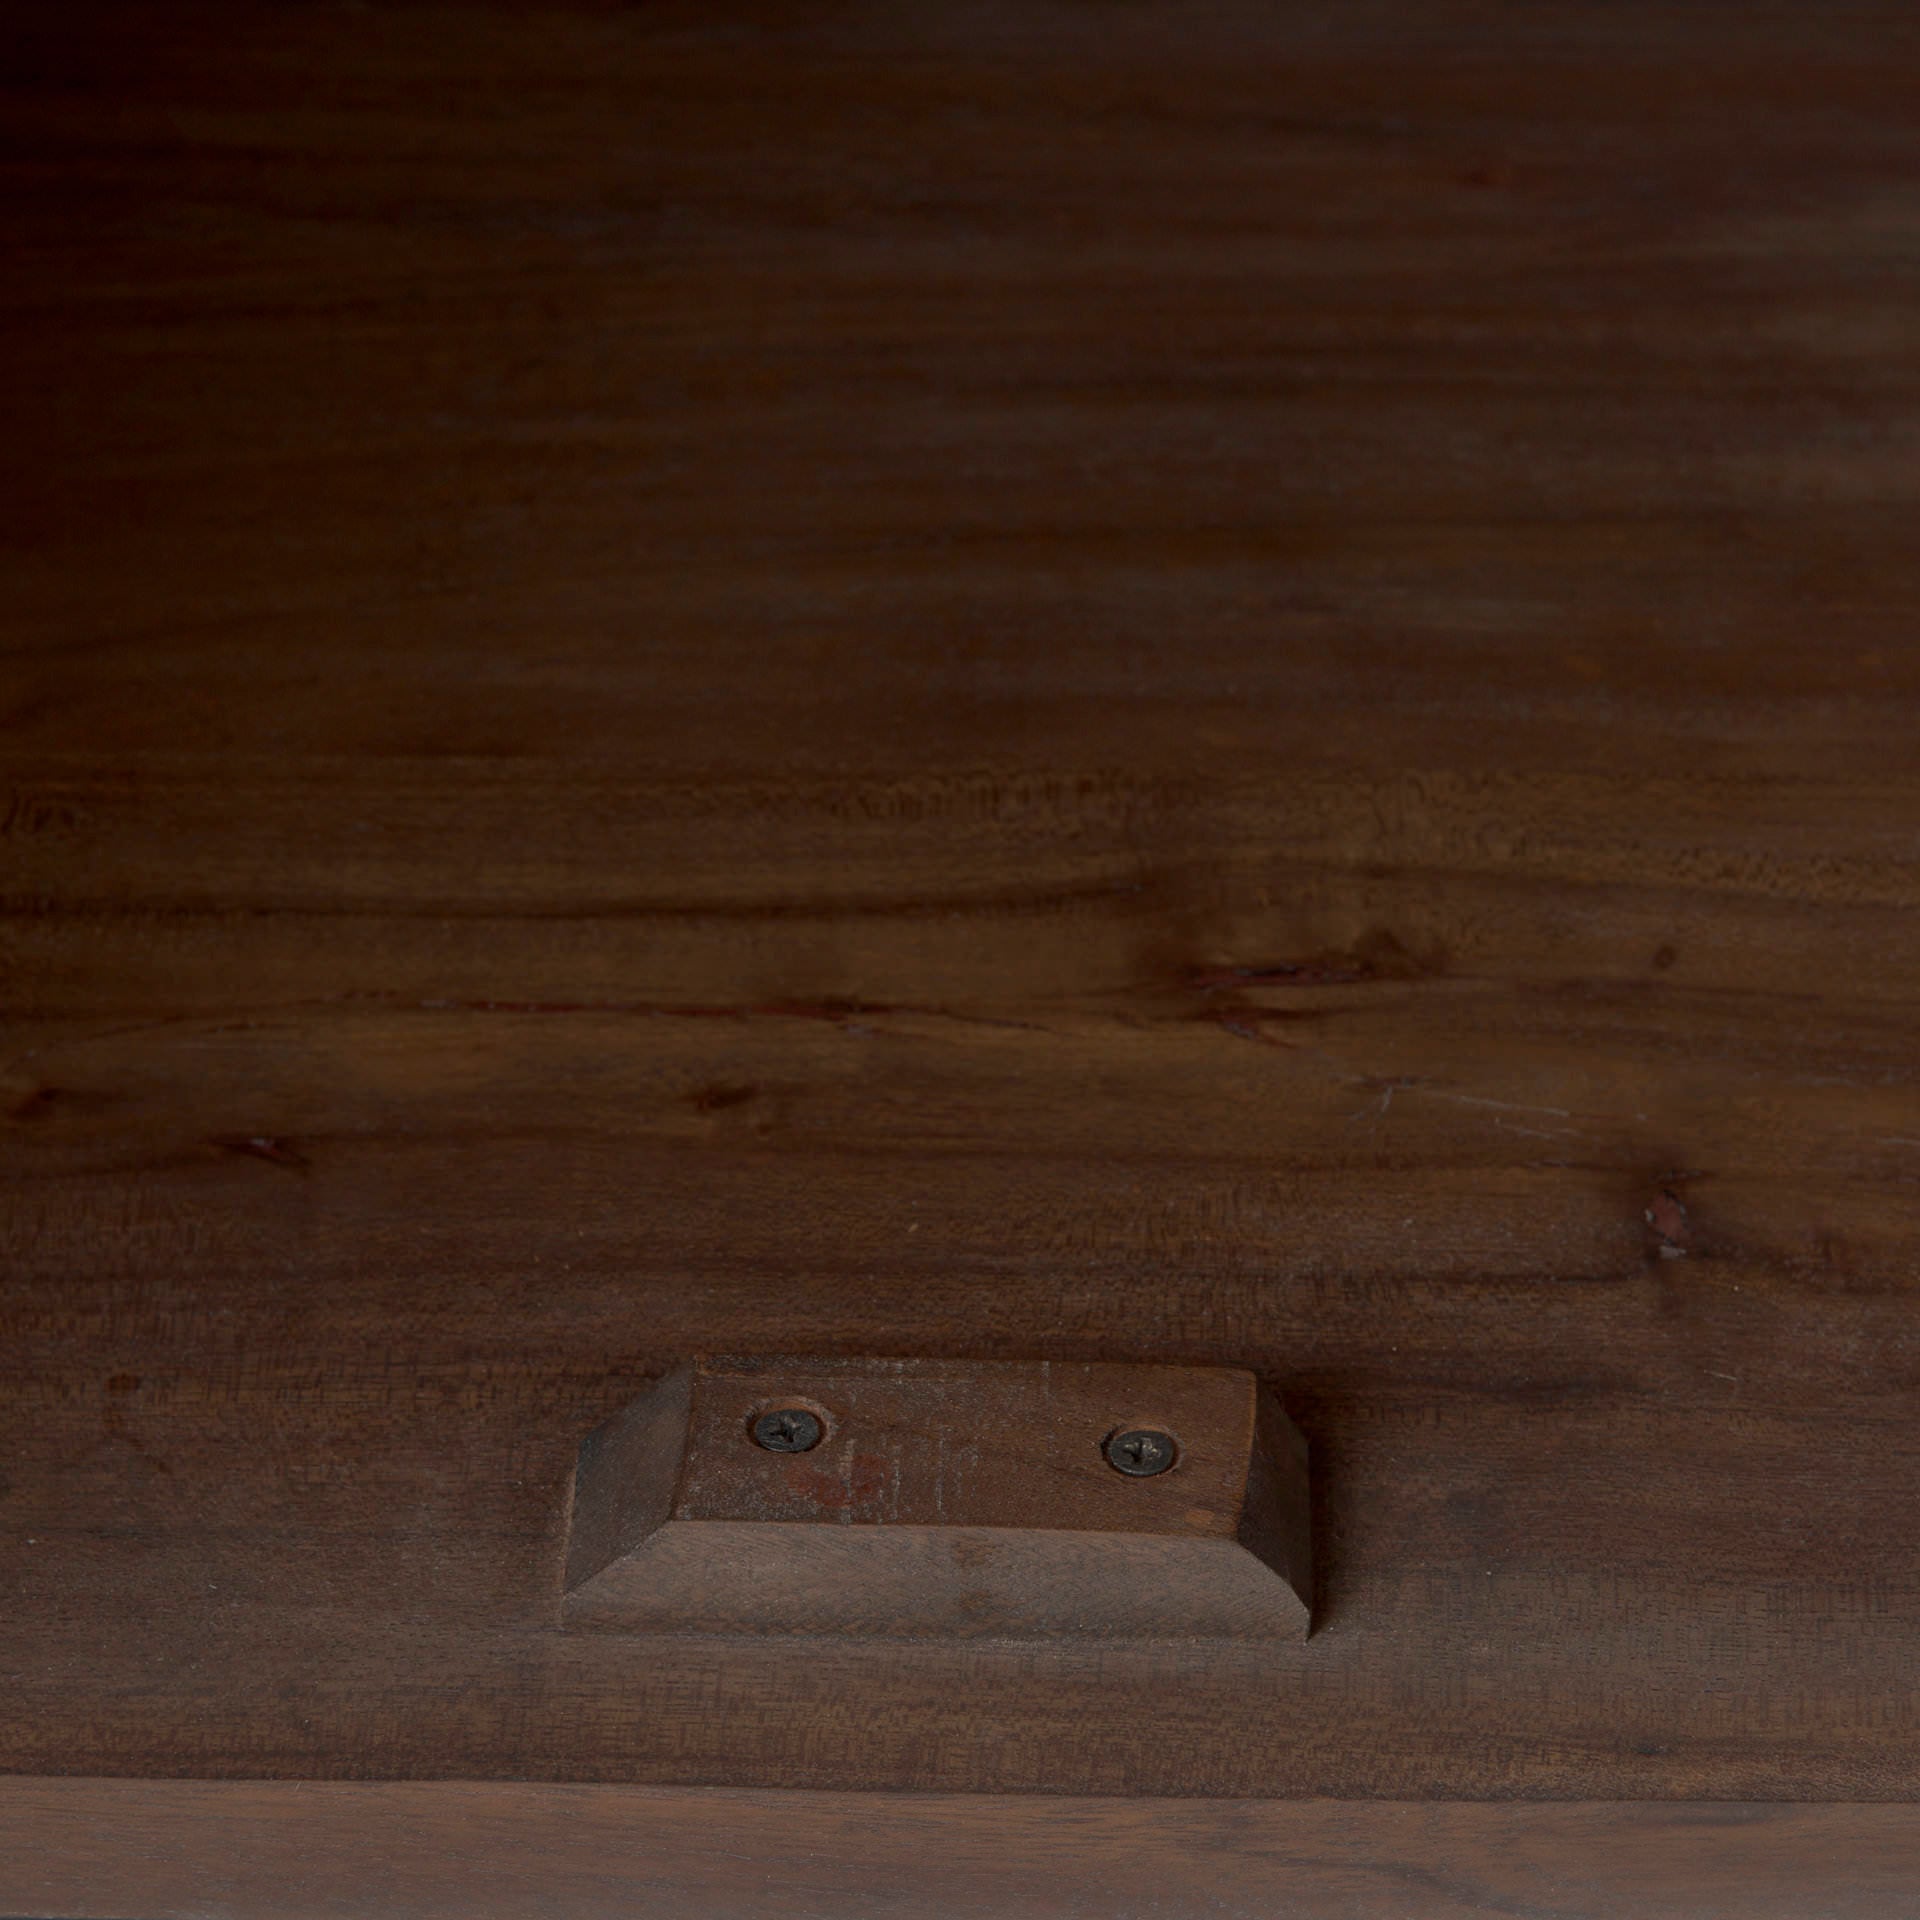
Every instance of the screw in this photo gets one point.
(788, 1430)
(1140, 1451)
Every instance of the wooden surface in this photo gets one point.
(1232, 685)
(194, 1850)
(942, 1499)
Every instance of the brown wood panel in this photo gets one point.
(1232, 687)
(186, 1850)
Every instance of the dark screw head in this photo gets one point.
(788, 1430)
(1140, 1451)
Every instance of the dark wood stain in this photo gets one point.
(1006, 683)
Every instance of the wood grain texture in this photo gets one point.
(188, 1850)
(1012, 682)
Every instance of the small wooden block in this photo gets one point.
(942, 1497)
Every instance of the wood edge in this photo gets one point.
(1276, 1516)
(113, 1849)
(625, 1476)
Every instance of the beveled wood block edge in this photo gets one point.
(939, 1497)
(105, 1849)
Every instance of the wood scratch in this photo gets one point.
(1537, 1133)
(1505, 1106)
